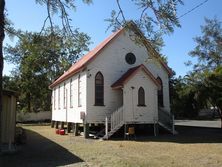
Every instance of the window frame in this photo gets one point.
(99, 89)
(64, 96)
(71, 93)
(130, 58)
(59, 105)
(54, 99)
(141, 97)
(160, 95)
(79, 92)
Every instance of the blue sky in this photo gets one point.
(26, 15)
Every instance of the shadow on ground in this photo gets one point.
(187, 134)
(39, 152)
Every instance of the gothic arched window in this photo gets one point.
(141, 97)
(160, 92)
(99, 89)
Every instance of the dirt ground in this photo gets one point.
(193, 147)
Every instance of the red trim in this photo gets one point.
(78, 66)
(130, 73)
(81, 64)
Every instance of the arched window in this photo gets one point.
(160, 92)
(141, 97)
(99, 89)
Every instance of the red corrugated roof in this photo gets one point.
(75, 68)
(130, 73)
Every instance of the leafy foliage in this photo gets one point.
(202, 88)
(183, 102)
(211, 88)
(157, 17)
(61, 8)
(53, 6)
(209, 46)
(39, 59)
(47, 53)
(10, 83)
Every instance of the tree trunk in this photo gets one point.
(220, 114)
(2, 36)
(29, 102)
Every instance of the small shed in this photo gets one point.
(8, 121)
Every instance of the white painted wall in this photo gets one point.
(70, 113)
(133, 112)
(157, 70)
(111, 62)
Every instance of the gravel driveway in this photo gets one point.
(199, 123)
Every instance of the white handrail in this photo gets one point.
(117, 118)
(166, 118)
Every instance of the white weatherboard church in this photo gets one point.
(119, 82)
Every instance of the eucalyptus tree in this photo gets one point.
(155, 18)
(208, 50)
(206, 75)
(209, 92)
(39, 60)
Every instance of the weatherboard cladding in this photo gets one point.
(75, 68)
(130, 73)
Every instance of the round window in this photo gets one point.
(130, 58)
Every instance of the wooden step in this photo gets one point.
(168, 128)
(110, 133)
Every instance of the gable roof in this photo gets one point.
(81, 64)
(75, 68)
(130, 73)
(149, 46)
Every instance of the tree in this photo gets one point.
(156, 18)
(10, 83)
(209, 46)
(183, 102)
(47, 59)
(2, 36)
(53, 7)
(207, 72)
(210, 91)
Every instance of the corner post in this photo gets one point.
(106, 122)
(52, 124)
(173, 123)
(86, 129)
(75, 129)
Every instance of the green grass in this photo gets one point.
(165, 150)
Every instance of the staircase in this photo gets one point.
(116, 122)
(166, 120)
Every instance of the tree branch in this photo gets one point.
(49, 15)
(43, 27)
(121, 11)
